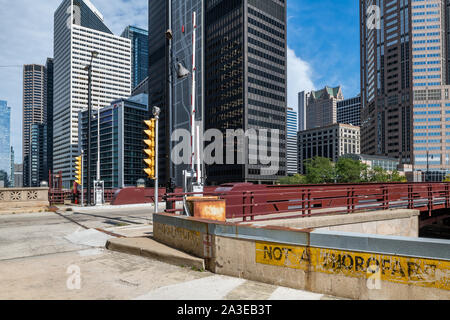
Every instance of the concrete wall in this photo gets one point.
(351, 265)
(12, 199)
(400, 222)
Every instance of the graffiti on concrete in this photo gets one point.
(398, 269)
(187, 237)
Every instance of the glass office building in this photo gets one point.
(5, 141)
(159, 85)
(79, 29)
(35, 163)
(139, 53)
(245, 78)
(292, 143)
(121, 142)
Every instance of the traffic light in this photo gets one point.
(150, 150)
(78, 170)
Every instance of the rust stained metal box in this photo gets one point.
(209, 208)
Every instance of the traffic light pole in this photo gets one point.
(82, 179)
(156, 114)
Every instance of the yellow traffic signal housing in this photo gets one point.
(78, 170)
(150, 151)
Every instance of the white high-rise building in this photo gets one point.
(303, 98)
(78, 31)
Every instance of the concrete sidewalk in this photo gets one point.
(149, 248)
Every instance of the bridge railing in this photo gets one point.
(304, 201)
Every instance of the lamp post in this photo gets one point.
(88, 68)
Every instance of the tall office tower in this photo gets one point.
(5, 141)
(245, 78)
(405, 83)
(12, 175)
(122, 141)
(139, 53)
(36, 166)
(18, 175)
(163, 79)
(79, 30)
(303, 98)
(321, 109)
(49, 111)
(291, 141)
(349, 111)
(34, 88)
(387, 73)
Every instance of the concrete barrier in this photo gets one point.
(23, 199)
(398, 222)
(350, 265)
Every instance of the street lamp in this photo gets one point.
(88, 68)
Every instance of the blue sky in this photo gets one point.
(323, 41)
(325, 34)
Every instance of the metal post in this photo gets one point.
(88, 153)
(98, 143)
(168, 113)
(88, 68)
(156, 112)
(82, 181)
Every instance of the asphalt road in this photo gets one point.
(46, 256)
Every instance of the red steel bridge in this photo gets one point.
(248, 201)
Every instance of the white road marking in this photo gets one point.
(91, 238)
(209, 288)
(291, 294)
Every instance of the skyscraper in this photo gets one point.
(5, 141)
(292, 145)
(303, 98)
(34, 112)
(36, 166)
(245, 78)
(240, 70)
(177, 16)
(79, 30)
(49, 111)
(139, 53)
(321, 109)
(349, 111)
(405, 82)
(121, 143)
(12, 179)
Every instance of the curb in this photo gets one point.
(149, 248)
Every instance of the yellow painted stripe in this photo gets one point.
(397, 269)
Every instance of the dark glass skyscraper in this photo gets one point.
(5, 142)
(241, 73)
(245, 63)
(139, 53)
(49, 111)
(121, 141)
(180, 14)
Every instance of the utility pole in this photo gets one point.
(88, 68)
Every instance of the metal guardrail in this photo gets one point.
(59, 196)
(321, 199)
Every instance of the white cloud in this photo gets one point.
(299, 76)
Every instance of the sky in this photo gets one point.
(323, 45)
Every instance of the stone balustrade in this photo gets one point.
(12, 199)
